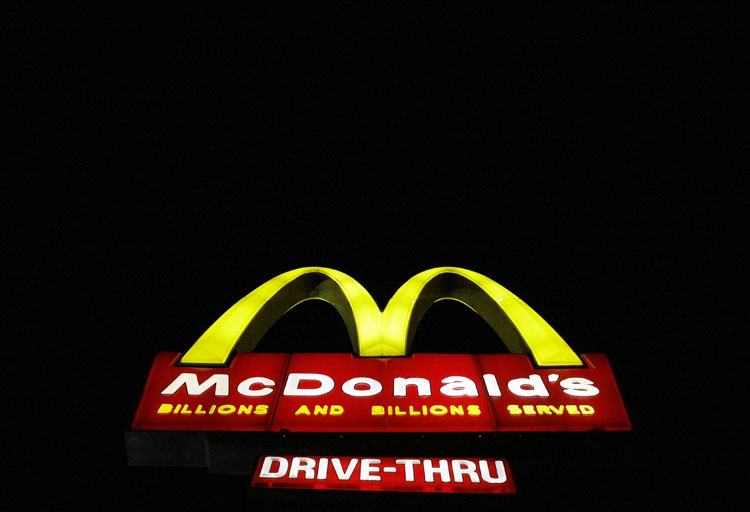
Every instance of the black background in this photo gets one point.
(165, 163)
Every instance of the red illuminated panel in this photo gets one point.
(423, 393)
(331, 392)
(399, 474)
(561, 399)
(240, 397)
(454, 401)
(343, 393)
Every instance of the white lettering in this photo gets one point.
(304, 464)
(400, 383)
(366, 470)
(245, 385)
(409, 467)
(429, 471)
(293, 380)
(456, 385)
(373, 387)
(578, 386)
(531, 386)
(265, 471)
(490, 381)
(340, 473)
(190, 380)
(464, 467)
(323, 469)
(499, 468)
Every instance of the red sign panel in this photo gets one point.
(385, 474)
(241, 397)
(343, 393)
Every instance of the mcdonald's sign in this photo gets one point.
(219, 384)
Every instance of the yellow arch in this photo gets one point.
(520, 327)
(242, 326)
(381, 335)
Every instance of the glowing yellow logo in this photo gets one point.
(376, 334)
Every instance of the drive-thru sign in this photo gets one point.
(221, 385)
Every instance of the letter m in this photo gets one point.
(190, 380)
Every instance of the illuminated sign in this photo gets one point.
(399, 474)
(380, 387)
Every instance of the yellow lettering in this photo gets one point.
(186, 410)
(427, 410)
(177, 409)
(438, 410)
(302, 410)
(227, 409)
(212, 409)
(261, 410)
(559, 410)
(245, 409)
(320, 409)
(337, 410)
(164, 409)
(199, 410)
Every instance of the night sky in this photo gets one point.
(165, 164)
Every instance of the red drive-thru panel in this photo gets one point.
(343, 393)
(402, 474)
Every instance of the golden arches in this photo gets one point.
(381, 335)
(242, 326)
(519, 326)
